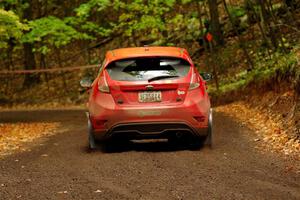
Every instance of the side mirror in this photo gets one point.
(206, 76)
(86, 82)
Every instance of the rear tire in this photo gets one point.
(91, 138)
(208, 140)
(200, 141)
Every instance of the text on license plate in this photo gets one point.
(150, 96)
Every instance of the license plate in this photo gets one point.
(150, 96)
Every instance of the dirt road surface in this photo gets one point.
(62, 168)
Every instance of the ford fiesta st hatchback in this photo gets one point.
(148, 92)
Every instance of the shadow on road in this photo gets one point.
(143, 145)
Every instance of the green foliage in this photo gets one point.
(144, 19)
(9, 3)
(236, 11)
(239, 17)
(10, 27)
(183, 27)
(51, 32)
(129, 19)
(154, 20)
(16, 6)
(85, 9)
(91, 27)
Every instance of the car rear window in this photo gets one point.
(145, 68)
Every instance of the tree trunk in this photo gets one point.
(265, 17)
(256, 18)
(199, 11)
(249, 60)
(214, 61)
(29, 63)
(62, 73)
(276, 29)
(29, 58)
(44, 66)
(215, 23)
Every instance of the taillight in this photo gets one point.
(102, 84)
(194, 82)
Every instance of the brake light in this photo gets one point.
(194, 82)
(102, 84)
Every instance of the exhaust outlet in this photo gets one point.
(179, 134)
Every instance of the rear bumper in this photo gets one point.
(149, 130)
(109, 119)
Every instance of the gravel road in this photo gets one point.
(61, 167)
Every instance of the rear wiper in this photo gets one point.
(161, 77)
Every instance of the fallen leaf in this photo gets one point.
(63, 192)
(13, 136)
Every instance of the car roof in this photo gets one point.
(133, 52)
